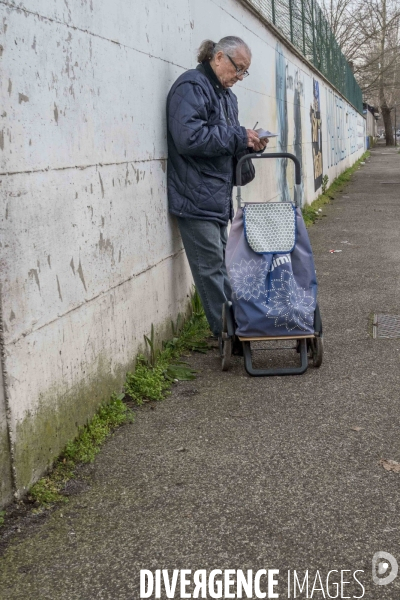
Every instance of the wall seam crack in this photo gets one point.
(96, 35)
(30, 331)
(80, 167)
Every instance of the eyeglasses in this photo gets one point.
(239, 72)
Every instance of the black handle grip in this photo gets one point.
(268, 155)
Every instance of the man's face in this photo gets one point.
(224, 68)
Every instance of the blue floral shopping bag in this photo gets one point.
(274, 292)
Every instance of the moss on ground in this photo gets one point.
(81, 450)
(311, 211)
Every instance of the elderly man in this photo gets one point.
(204, 137)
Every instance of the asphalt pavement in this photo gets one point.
(234, 472)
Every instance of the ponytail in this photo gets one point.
(206, 51)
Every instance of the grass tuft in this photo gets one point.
(310, 211)
(147, 382)
(154, 375)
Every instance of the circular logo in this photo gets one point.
(384, 568)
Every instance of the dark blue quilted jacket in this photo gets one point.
(201, 147)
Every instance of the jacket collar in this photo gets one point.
(207, 70)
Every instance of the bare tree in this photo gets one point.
(368, 33)
(378, 71)
(343, 17)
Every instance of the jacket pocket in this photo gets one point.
(213, 192)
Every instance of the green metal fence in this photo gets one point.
(302, 22)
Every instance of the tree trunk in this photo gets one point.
(387, 121)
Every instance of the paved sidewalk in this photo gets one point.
(272, 474)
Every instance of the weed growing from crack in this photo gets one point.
(87, 445)
(154, 374)
(82, 450)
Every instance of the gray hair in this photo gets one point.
(208, 49)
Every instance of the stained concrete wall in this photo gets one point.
(6, 487)
(90, 257)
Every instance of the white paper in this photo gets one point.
(263, 133)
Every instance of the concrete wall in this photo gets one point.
(90, 257)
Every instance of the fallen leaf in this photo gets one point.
(390, 465)
(356, 428)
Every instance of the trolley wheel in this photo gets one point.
(226, 353)
(317, 351)
(317, 320)
(226, 339)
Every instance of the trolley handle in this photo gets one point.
(269, 155)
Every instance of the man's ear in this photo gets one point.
(218, 57)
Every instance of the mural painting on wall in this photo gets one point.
(352, 129)
(345, 130)
(287, 83)
(316, 134)
(298, 142)
(281, 110)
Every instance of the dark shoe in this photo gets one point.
(237, 347)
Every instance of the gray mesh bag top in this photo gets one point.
(270, 226)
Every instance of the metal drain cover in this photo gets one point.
(386, 326)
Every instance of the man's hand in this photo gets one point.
(252, 138)
(261, 145)
(253, 141)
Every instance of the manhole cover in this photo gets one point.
(386, 326)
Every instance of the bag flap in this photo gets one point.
(270, 227)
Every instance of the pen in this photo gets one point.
(255, 125)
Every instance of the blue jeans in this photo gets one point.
(204, 243)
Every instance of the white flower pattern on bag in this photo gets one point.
(289, 305)
(248, 279)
